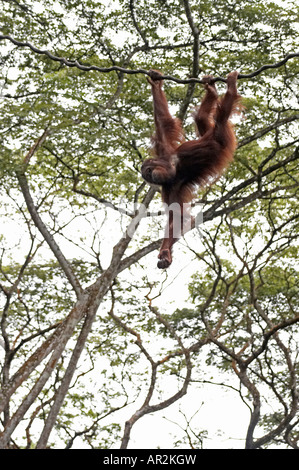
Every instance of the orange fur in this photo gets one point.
(180, 166)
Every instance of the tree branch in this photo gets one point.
(47, 235)
(195, 63)
(87, 68)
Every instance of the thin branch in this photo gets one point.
(56, 343)
(87, 68)
(146, 408)
(212, 211)
(141, 33)
(271, 127)
(64, 264)
(280, 326)
(65, 383)
(195, 62)
(36, 146)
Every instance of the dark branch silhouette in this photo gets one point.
(116, 68)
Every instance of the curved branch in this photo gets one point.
(260, 133)
(280, 326)
(65, 382)
(140, 32)
(212, 211)
(87, 68)
(146, 408)
(64, 264)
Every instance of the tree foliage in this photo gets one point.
(93, 337)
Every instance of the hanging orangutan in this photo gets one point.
(179, 166)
